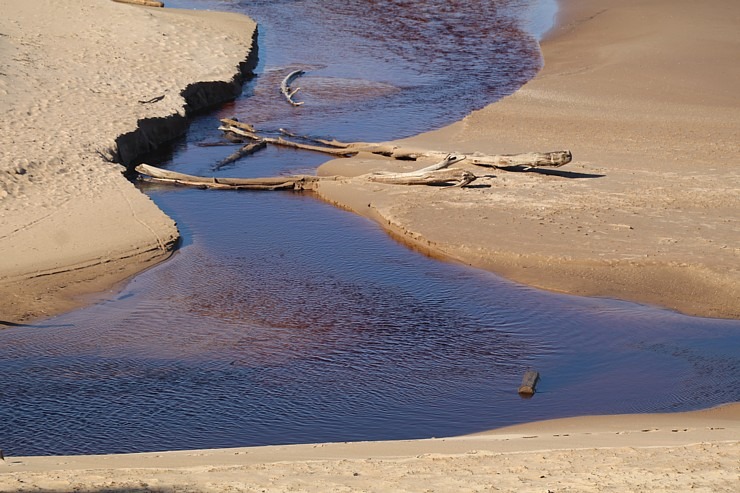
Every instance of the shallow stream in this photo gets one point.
(282, 319)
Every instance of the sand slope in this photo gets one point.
(74, 77)
(697, 451)
(645, 95)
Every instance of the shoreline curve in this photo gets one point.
(645, 211)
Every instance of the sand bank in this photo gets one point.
(698, 451)
(645, 95)
(83, 83)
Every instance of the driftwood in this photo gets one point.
(529, 382)
(230, 122)
(279, 141)
(288, 91)
(337, 148)
(242, 152)
(427, 176)
(437, 174)
(294, 182)
(146, 3)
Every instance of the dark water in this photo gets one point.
(285, 320)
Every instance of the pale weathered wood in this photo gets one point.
(236, 123)
(295, 182)
(288, 91)
(529, 382)
(444, 163)
(337, 148)
(279, 141)
(460, 177)
(426, 176)
(146, 3)
(528, 160)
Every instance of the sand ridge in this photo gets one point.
(72, 81)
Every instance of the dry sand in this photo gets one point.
(645, 95)
(72, 78)
(697, 451)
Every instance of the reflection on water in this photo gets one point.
(285, 320)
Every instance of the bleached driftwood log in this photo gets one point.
(429, 175)
(294, 182)
(288, 91)
(279, 141)
(437, 174)
(337, 148)
(146, 3)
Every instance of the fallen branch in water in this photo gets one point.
(346, 149)
(288, 91)
(437, 174)
(279, 141)
(242, 152)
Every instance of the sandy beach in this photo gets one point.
(697, 451)
(642, 92)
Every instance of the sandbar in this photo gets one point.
(644, 94)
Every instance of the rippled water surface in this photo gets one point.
(283, 320)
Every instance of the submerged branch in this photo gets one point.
(288, 91)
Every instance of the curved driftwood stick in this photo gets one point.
(337, 148)
(288, 91)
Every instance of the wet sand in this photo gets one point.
(647, 211)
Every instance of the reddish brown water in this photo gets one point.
(284, 320)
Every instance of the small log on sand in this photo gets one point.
(146, 3)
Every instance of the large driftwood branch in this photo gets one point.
(294, 182)
(337, 148)
(288, 91)
(437, 174)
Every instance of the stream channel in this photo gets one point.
(282, 319)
